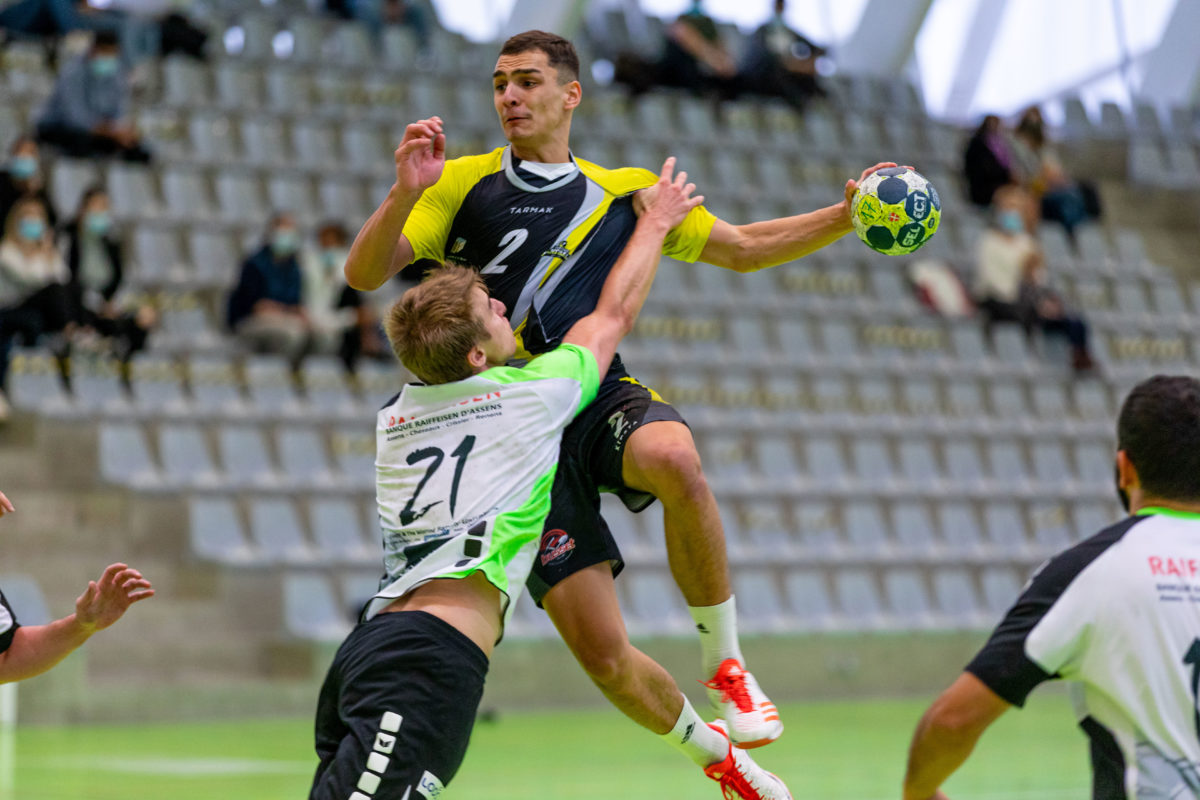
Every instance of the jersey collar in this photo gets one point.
(1167, 512)
(510, 171)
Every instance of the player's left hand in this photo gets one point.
(6, 505)
(106, 600)
(852, 185)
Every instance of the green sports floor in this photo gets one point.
(833, 751)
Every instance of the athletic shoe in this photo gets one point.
(740, 778)
(735, 696)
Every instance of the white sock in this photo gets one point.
(717, 626)
(692, 737)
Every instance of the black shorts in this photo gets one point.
(396, 710)
(575, 536)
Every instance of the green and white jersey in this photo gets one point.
(464, 469)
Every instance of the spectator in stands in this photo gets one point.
(341, 322)
(265, 309)
(1063, 200)
(377, 13)
(85, 115)
(144, 31)
(988, 161)
(1010, 281)
(95, 265)
(781, 62)
(693, 58)
(23, 177)
(33, 294)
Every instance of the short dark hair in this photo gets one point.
(433, 326)
(105, 39)
(1159, 430)
(559, 51)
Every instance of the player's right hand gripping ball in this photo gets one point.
(895, 210)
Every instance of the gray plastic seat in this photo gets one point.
(809, 599)
(214, 385)
(34, 382)
(964, 466)
(965, 399)
(776, 458)
(214, 259)
(913, 527)
(831, 393)
(132, 191)
(824, 462)
(338, 532)
(185, 457)
(354, 452)
(294, 193)
(865, 529)
(1008, 400)
(758, 599)
(1094, 462)
(655, 604)
(265, 144)
(244, 457)
(1092, 401)
(918, 464)
(1000, 589)
(276, 532)
(1050, 401)
(1006, 528)
(1090, 518)
(920, 396)
(817, 530)
(1006, 465)
(959, 528)
(25, 597)
(186, 192)
(125, 456)
(240, 198)
(269, 385)
(302, 457)
(157, 384)
(858, 598)
(97, 386)
(1050, 466)
(1051, 527)
(345, 195)
(311, 610)
(726, 457)
(955, 597)
(158, 255)
(215, 531)
(239, 86)
(872, 461)
(68, 180)
(907, 598)
(325, 387)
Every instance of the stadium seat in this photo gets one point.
(858, 599)
(354, 452)
(825, 466)
(35, 383)
(955, 598)
(25, 597)
(240, 198)
(132, 191)
(311, 610)
(187, 195)
(326, 390)
(965, 399)
(214, 386)
(294, 193)
(276, 532)
(918, 465)
(1007, 531)
(185, 457)
(727, 460)
(816, 530)
(97, 387)
(1092, 401)
(1094, 465)
(270, 387)
(125, 457)
(265, 144)
(758, 600)
(866, 533)
(907, 599)
(214, 259)
(959, 529)
(964, 468)
(158, 255)
(213, 138)
(338, 533)
(655, 605)
(809, 600)
(68, 180)
(346, 195)
(776, 459)
(302, 457)
(157, 384)
(243, 456)
(873, 467)
(215, 530)
(914, 529)
(920, 397)
(1050, 401)
(1052, 528)
(1007, 469)
(1089, 519)
(1000, 590)
(1050, 466)
(185, 82)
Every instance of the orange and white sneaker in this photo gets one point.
(752, 719)
(740, 778)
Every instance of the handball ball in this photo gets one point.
(895, 210)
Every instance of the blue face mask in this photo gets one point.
(23, 167)
(105, 66)
(97, 223)
(31, 229)
(284, 242)
(333, 257)
(1011, 221)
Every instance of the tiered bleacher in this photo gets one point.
(877, 466)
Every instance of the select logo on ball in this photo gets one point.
(895, 211)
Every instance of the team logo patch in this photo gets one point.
(556, 547)
(429, 786)
(459, 244)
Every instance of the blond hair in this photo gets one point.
(433, 326)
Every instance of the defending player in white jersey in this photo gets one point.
(465, 463)
(29, 650)
(1118, 615)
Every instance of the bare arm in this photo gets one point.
(947, 734)
(6, 505)
(37, 648)
(747, 248)
(380, 250)
(628, 283)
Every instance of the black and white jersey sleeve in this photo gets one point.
(8, 623)
(1046, 628)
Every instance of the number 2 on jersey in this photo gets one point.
(508, 245)
(436, 456)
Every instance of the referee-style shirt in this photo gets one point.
(8, 623)
(1119, 615)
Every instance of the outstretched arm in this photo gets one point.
(628, 283)
(747, 248)
(947, 734)
(380, 250)
(37, 648)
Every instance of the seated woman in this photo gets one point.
(96, 266)
(1010, 278)
(33, 293)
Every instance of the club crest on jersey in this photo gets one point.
(559, 250)
(556, 547)
(459, 244)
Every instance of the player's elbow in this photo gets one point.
(956, 723)
(356, 280)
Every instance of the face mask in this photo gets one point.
(105, 66)
(332, 257)
(97, 223)
(31, 229)
(23, 167)
(284, 242)
(1011, 221)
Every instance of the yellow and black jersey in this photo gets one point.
(544, 237)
